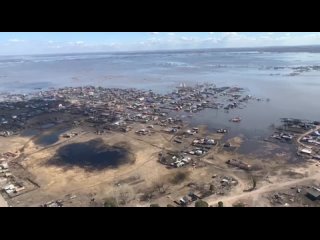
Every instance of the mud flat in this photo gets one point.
(88, 168)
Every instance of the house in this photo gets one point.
(126, 129)
(9, 189)
(19, 189)
(222, 131)
(199, 152)
(185, 200)
(286, 136)
(236, 119)
(179, 164)
(196, 141)
(313, 194)
(170, 130)
(227, 145)
(210, 142)
(317, 157)
(316, 133)
(66, 135)
(186, 159)
(305, 151)
(195, 195)
(4, 166)
(190, 132)
(239, 164)
(142, 132)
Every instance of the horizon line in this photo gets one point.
(161, 50)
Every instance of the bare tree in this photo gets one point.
(123, 198)
(160, 187)
(124, 195)
(148, 195)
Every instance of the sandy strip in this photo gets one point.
(3, 202)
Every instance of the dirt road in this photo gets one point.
(305, 134)
(213, 200)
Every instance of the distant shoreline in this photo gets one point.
(293, 48)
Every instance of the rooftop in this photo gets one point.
(313, 193)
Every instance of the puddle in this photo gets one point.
(30, 133)
(262, 149)
(49, 138)
(251, 147)
(48, 125)
(93, 155)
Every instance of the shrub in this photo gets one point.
(154, 205)
(201, 203)
(220, 204)
(110, 202)
(179, 177)
(240, 204)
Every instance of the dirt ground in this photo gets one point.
(3, 202)
(129, 183)
(278, 176)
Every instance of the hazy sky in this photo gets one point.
(67, 42)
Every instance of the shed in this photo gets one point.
(227, 145)
(313, 194)
(316, 157)
(4, 165)
(306, 151)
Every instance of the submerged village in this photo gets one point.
(95, 146)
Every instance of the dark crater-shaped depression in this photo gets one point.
(93, 155)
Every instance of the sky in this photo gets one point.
(22, 43)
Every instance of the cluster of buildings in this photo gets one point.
(312, 145)
(180, 161)
(4, 167)
(175, 160)
(219, 185)
(309, 140)
(113, 108)
(293, 123)
(57, 203)
(198, 148)
(313, 138)
(8, 182)
(283, 136)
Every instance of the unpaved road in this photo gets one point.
(305, 134)
(213, 200)
(3, 202)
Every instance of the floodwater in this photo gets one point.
(265, 73)
(30, 133)
(44, 138)
(49, 138)
(261, 149)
